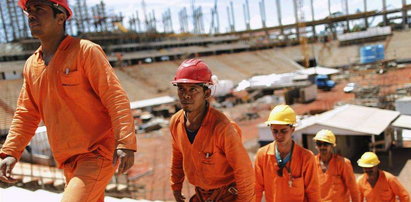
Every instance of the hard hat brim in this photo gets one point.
(323, 140)
(268, 123)
(366, 165)
(186, 81)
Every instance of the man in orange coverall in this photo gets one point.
(70, 86)
(336, 176)
(378, 185)
(207, 149)
(284, 170)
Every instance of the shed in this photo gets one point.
(403, 105)
(152, 102)
(357, 129)
(402, 131)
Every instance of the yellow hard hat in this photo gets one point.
(282, 115)
(368, 160)
(325, 136)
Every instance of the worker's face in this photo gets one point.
(42, 21)
(192, 96)
(282, 133)
(372, 172)
(324, 148)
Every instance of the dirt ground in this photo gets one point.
(155, 148)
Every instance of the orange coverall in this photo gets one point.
(338, 182)
(304, 181)
(79, 99)
(216, 158)
(387, 188)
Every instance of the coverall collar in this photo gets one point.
(206, 119)
(63, 45)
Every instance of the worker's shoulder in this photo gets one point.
(265, 149)
(218, 116)
(342, 159)
(388, 175)
(305, 153)
(87, 44)
(176, 116)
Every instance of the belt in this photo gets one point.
(212, 195)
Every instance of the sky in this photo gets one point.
(129, 7)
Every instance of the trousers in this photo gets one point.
(87, 176)
(223, 194)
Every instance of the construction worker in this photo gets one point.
(207, 148)
(71, 87)
(335, 173)
(284, 170)
(378, 185)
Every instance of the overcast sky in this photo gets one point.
(129, 7)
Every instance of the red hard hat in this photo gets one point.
(63, 3)
(193, 71)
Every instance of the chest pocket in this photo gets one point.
(297, 189)
(386, 195)
(71, 79)
(337, 183)
(73, 84)
(212, 164)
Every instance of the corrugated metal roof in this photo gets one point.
(404, 121)
(319, 70)
(355, 118)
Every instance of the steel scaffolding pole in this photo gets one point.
(280, 23)
(3, 23)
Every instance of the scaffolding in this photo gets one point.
(13, 22)
(95, 19)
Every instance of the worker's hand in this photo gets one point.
(179, 196)
(6, 166)
(126, 158)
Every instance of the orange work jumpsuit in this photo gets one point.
(86, 112)
(387, 188)
(216, 158)
(299, 183)
(338, 182)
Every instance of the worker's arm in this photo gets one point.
(177, 172)
(398, 189)
(126, 158)
(259, 177)
(311, 183)
(107, 86)
(239, 160)
(349, 180)
(6, 166)
(25, 122)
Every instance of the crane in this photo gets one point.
(301, 31)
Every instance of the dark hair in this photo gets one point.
(205, 87)
(55, 13)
